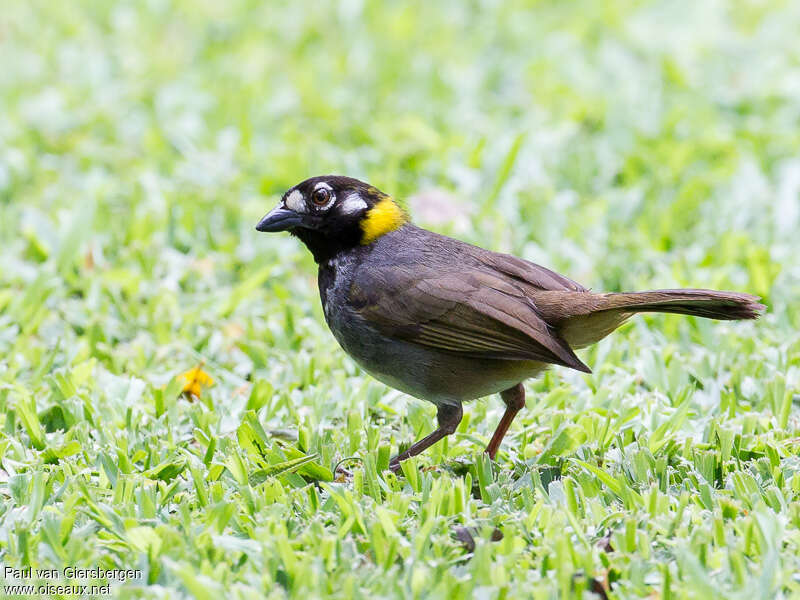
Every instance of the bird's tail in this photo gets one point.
(583, 318)
(726, 306)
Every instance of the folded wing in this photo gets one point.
(470, 311)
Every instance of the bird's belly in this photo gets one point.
(428, 374)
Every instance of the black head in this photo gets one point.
(331, 213)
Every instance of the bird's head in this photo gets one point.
(331, 213)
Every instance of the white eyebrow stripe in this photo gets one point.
(352, 204)
(295, 202)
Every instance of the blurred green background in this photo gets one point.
(628, 144)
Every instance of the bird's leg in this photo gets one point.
(515, 401)
(449, 416)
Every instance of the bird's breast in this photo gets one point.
(423, 372)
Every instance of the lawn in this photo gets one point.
(628, 144)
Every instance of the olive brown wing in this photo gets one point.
(466, 311)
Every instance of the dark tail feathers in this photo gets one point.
(727, 306)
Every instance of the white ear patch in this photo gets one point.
(294, 201)
(352, 204)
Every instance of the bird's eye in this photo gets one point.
(321, 196)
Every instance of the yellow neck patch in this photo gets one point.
(382, 218)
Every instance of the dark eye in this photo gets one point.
(321, 196)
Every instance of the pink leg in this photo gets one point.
(449, 417)
(515, 401)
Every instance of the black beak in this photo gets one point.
(280, 219)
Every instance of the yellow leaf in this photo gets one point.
(195, 380)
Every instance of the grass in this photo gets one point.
(630, 145)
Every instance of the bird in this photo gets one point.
(449, 322)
